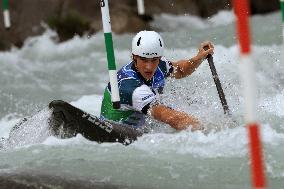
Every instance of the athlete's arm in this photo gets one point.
(176, 119)
(183, 68)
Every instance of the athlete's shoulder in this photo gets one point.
(165, 66)
(164, 59)
(126, 89)
(126, 72)
(129, 84)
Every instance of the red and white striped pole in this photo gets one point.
(247, 72)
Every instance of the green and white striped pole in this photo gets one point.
(282, 10)
(7, 22)
(110, 54)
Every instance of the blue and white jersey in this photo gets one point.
(136, 94)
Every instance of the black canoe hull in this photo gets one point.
(70, 121)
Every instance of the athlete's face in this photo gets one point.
(146, 66)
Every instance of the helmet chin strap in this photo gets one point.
(135, 61)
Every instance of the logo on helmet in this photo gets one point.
(150, 54)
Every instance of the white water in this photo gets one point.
(76, 71)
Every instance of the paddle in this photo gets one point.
(217, 83)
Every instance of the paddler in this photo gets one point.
(142, 80)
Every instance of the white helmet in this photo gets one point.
(148, 44)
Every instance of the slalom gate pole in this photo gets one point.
(140, 7)
(141, 11)
(282, 10)
(6, 14)
(247, 71)
(110, 54)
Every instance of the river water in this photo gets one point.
(76, 71)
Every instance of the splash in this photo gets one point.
(31, 130)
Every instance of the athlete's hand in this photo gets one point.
(202, 53)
